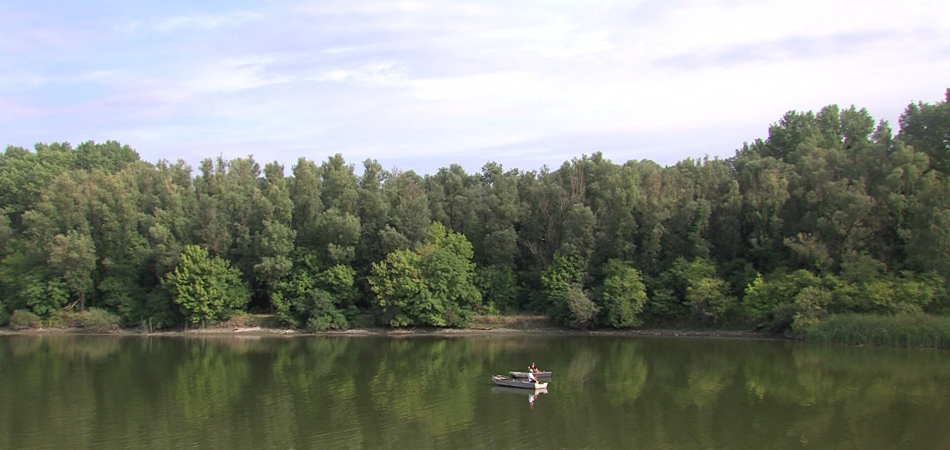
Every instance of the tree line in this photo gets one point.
(831, 213)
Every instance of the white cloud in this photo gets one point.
(235, 74)
(206, 21)
(434, 80)
(374, 75)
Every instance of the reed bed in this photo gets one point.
(905, 330)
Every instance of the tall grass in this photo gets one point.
(905, 330)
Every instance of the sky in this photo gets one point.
(420, 85)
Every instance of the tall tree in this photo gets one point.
(74, 255)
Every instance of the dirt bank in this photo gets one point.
(401, 332)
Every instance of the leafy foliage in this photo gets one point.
(206, 288)
(23, 319)
(433, 285)
(622, 296)
(829, 214)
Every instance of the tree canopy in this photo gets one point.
(831, 213)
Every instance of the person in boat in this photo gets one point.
(534, 369)
(532, 378)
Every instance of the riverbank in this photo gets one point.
(263, 325)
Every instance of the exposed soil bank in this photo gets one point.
(397, 332)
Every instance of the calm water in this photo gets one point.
(107, 392)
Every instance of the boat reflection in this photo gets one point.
(531, 393)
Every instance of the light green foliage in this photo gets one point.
(205, 288)
(709, 298)
(622, 296)
(398, 284)
(561, 274)
(810, 306)
(450, 274)
(433, 285)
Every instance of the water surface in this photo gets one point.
(422, 392)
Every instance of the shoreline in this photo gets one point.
(403, 332)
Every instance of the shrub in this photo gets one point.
(97, 319)
(23, 319)
(59, 319)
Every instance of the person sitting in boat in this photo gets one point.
(532, 378)
(534, 369)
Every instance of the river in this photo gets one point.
(425, 392)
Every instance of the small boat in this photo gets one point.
(525, 374)
(515, 383)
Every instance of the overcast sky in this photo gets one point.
(423, 84)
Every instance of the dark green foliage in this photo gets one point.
(319, 300)
(569, 303)
(74, 255)
(499, 287)
(774, 302)
(689, 288)
(835, 212)
(926, 127)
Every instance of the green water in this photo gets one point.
(107, 392)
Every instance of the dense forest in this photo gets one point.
(832, 213)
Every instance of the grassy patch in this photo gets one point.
(905, 330)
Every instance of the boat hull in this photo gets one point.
(510, 382)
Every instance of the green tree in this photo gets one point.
(433, 285)
(622, 296)
(926, 127)
(74, 255)
(206, 288)
(569, 303)
(398, 284)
